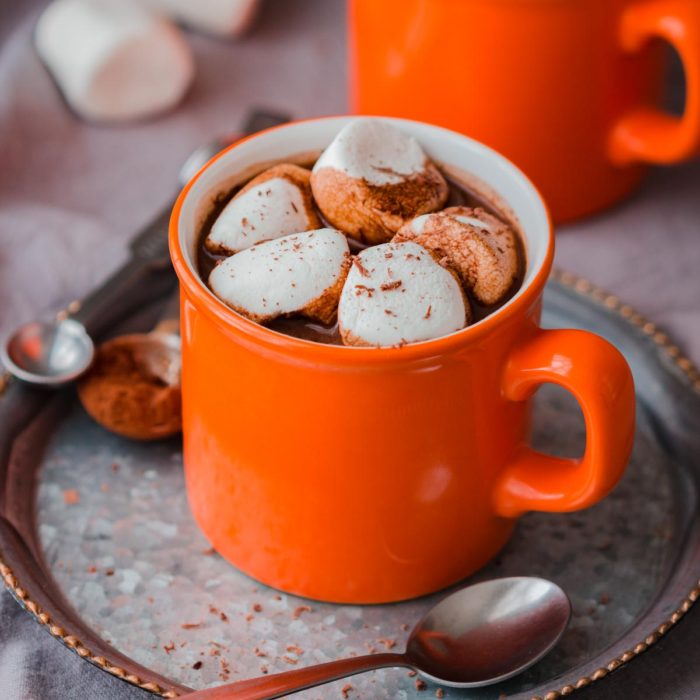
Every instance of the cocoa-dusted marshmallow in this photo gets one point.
(373, 178)
(274, 204)
(301, 274)
(114, 60)
(481, 248)
(398, 293)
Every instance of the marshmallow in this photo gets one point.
(481, 248)
(113, 59)
(373, 178)
(398, 293)
(226, 18)
(275, 203)
(301, 274)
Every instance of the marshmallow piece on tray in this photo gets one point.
(481, 248)
(398, 293)
(113, 59)
(275, 203)
(373, 178)
(226, 18)
(301, 274)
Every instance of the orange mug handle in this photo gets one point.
(599, 377)
(652, 135)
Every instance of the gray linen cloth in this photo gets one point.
(71, 194)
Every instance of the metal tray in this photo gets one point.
(97, 543)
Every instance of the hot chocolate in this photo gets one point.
(470, 235)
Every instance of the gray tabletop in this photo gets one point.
(71, 194)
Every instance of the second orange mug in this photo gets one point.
(569, 90)
(369, 475)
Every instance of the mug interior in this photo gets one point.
(484, 169)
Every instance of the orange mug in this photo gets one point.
(567, 89)
(368, 475)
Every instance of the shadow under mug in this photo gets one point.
(567, 89)
(368, 475)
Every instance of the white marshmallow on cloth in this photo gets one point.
(114, 60)
(373, 178)
(275, 203)
(226, 18)
(398, 293)
(301, 274)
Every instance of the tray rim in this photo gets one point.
(569, 280)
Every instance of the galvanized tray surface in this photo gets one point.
(103, 537)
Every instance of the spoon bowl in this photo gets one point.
(489, 632)
(48, 353)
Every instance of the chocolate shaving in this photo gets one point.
(388, 286)
(299, 610)
(360, 267)
(360, 289)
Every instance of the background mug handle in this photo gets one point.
(652, 135)
(599, 377)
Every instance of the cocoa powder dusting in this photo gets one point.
(123, 397)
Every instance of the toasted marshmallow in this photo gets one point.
(398, 293)
(373, 178)
(274, 204)
(481, 248)
(301, 274)
(114, 59)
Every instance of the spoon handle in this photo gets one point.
(147, 269)
(280, 684)
(120, 294)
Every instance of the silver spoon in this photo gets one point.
(477, 636)
(55, 352)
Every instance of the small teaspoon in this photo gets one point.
(53, 353)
